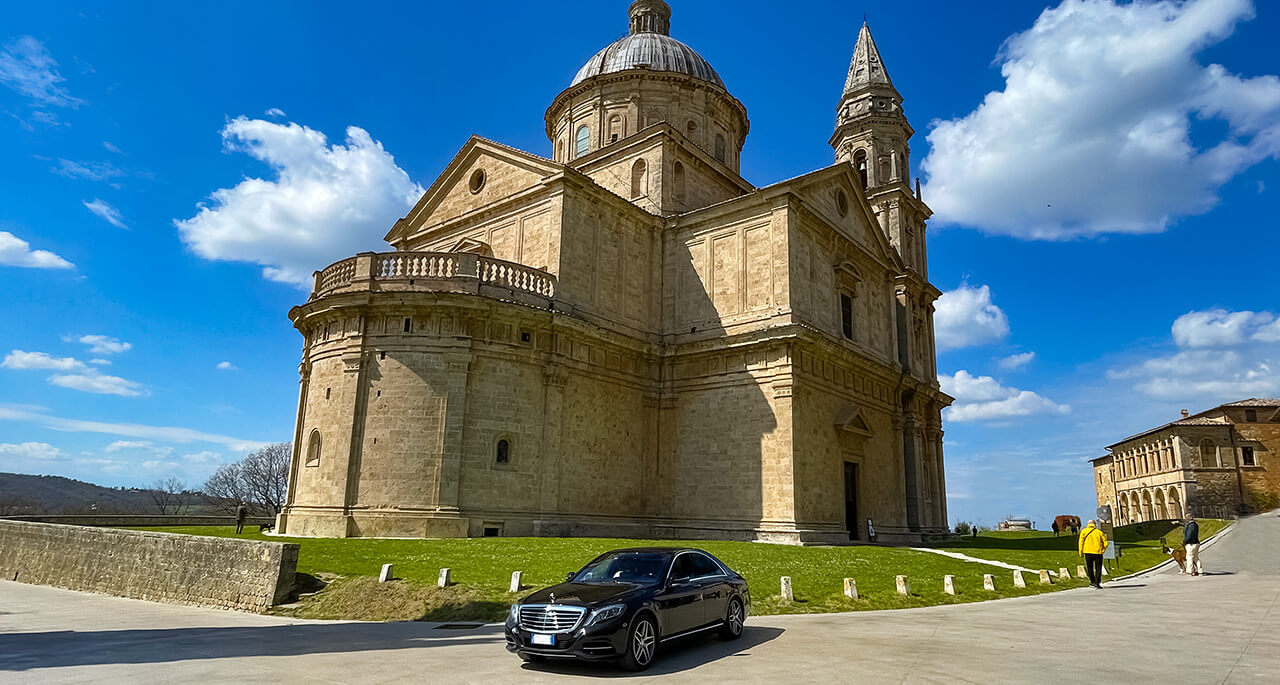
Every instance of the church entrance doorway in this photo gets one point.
(851, 499)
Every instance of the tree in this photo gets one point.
(170, 495)
(258, 481)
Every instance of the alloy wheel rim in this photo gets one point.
(735, 618)
(642, 647)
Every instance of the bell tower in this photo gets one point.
(872, 134)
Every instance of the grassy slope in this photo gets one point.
(482, 568)
(1139, 546)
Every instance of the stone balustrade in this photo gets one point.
(443, 271)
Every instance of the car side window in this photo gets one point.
(683, 567)
(703, 566)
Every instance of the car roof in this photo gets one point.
(655, 550)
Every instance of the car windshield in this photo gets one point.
(645, 568)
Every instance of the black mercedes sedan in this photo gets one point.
(626, 603)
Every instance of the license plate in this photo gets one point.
(538, 639)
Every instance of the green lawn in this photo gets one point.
(481, 569)
(1139, 546)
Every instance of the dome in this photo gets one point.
(649, 46)
(653, 51)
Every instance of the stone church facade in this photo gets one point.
(630, 339)
(1219, 463)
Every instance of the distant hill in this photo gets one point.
(25, 494)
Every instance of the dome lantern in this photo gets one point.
(650, 16)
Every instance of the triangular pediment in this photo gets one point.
(481, 174)
(821, 191)
(849, 419)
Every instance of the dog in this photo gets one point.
(268, 527)
(1179, 555)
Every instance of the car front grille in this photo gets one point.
(549, 618)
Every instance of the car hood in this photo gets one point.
(582, 594)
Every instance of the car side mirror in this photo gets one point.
(569, 578)
(683, 580)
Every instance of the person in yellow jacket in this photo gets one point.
(1092, 544)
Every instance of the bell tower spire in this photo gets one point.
(871, 129)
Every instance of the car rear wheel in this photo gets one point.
(642, 644)
(733, 620)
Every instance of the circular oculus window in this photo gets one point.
(478, 178)
(842, 203)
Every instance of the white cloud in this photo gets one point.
(1091, 133)
(100, 362)
(27, 361)
(128, 445)
(105, 212)
(275, 113)
(966, 316)
(227, 366)
(327, 202)
(30, 450)
(1222, 355)
(15, 251)
(1016, 361)
(92, 171)
(26, 67)
(98, 383)
(171, 434)
(102, 344)
(204, 457)
(110, 147)
(983, 398)
(1221, 328)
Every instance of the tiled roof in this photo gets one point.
(1255, 402)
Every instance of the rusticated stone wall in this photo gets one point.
(223, 573)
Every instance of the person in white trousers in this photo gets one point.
(1191, 543)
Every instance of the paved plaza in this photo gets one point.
(1219, 628)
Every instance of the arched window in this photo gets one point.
(503, 452)
(639, 179)
(860, 164)
(583, 142)
(617, 130)
(691, 129)
(720, 148)
(1208, 453)
(560, 150)
(678, 181)
(313, 448)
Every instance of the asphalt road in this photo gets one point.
(1219, 628)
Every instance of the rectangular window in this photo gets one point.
(408, 324)
(1251, 415)
(1246, 456)
(846, 315)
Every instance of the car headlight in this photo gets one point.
(514, 614)
(606, 613)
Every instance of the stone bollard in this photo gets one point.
(989, 582)
(949, 584)
(850, 588)
(444, 578)
(1018, 580)
(904, 588)
(1104, 570)
(786, 589)
(1081, 573)
(1044, 578)
(516, 578)
(1064, 574)
(387, 574)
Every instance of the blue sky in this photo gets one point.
(1101, 176)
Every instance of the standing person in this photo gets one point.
(1191, 543)
(240, 516)
(1093, 543)
(1055, 528)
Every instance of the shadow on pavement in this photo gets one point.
(673, 657)
(23, 651)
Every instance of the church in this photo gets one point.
(629, 339)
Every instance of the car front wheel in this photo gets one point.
(733, 620)
(642, 644)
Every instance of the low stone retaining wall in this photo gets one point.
(141, 520)
(226, 573)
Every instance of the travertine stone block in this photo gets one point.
(786, 589)
(904, 587)
(444, 580)
(949, 584)
(1044, 577)
(850, 588)
(388, 573)
(516, 578)
(1081, 573)
(1064, 574)
(1018, 581)
(988, 582)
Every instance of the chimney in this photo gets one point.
(1185, 413)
